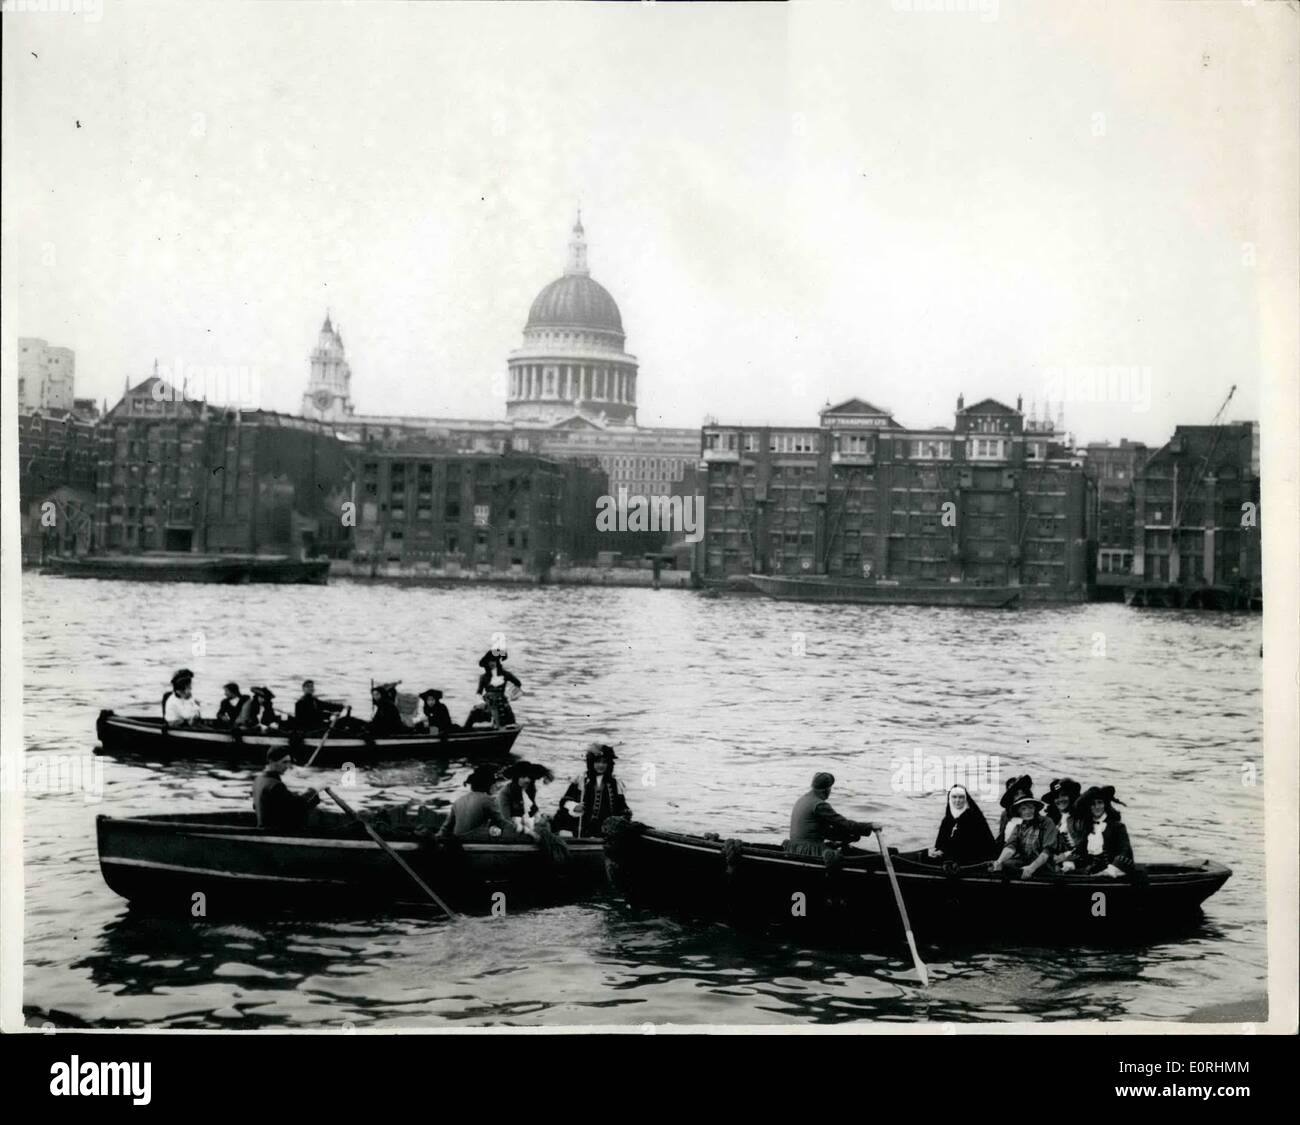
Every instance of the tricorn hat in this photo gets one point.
(1015, 787)
(431, 693)
(600, 750)
(1062, 787)
(264, 692)
(530, 770)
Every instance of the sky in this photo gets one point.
(1087, 203)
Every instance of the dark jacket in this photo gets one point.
(387, 719)
(277, 806)
(513, 801)
(814, 822)
(228, 712)
(966, 838)
(1116, 848)
(472, 813)
(437, 718)
(599, 803)
(1028, 839)
(308, 713)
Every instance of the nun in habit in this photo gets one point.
(964, 835)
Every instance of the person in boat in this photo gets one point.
(1103, 846)
(1030, 843)
(815, 827)
(475, 814)
(1060, 798)
(592, 799)
(517, 798)
(263, 709)
(230, 706)
(387, 719)
(492, 683)
(1014, 786)
(964, 835)
(276, 805)
(180, 708)
(310, 713)
(437, 719)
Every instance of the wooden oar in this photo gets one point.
(378, 839)
(337, 716)
(902, 911)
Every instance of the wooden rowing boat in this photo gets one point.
(162, 862)
(149, 736)
(762, 883)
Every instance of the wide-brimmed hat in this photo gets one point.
(1025, 798)
(1016, 786)
(264, 692)
(431, 693)
(600, 750)
(181, 675)
(492, 656)
(1062, 787)
(1099, 793)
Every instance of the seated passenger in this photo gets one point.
(1060, 798)
(964, 835)
(387, 719)
(593, 798)
(228, 711)
(1014, 786)
(1030, 843)
(517, 798)
(180, 708)
(437, 719)
(1103, 846)
(260, 712)
(815, 827)
(475, 814)
(276, 805)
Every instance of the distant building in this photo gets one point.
(46, 376)
(178, 475)
(328, 397)
(862, 496)
(571, 394)
(1114, 470)
(431, 511)
(1197, 518)
(56, 483)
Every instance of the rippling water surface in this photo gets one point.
(735, 702)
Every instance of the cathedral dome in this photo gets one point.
(575, 301)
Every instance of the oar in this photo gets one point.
(902, 911)
(321, 743)
(378, 839)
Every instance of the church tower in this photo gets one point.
(328, 397)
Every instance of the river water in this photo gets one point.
(722, 709)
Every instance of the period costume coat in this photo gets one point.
(598, 799)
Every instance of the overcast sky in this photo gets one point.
(790, 204)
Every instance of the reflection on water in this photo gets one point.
(721, 710)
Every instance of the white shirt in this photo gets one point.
(180, 711)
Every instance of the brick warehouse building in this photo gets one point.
(1114, 470)
(178, 475)
(1196, 522)
(56, 464)
(863, 496)
(424, 509)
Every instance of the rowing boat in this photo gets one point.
(762, 883)
(163, 862)
(149, 736)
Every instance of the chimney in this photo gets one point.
(961, 403)
(1020, 404)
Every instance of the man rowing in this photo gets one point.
(276, 805)
(816, 828)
